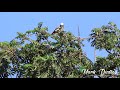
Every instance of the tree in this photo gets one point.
(39, 54)
(107, 38)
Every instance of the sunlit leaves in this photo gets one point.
(33, 55)
(107, 38)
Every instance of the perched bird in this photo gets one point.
(59, 29)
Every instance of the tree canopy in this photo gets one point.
(40, 54)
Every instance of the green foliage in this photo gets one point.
(108, 38)
(39, 54)
(39, 57)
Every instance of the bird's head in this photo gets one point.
(61, 24)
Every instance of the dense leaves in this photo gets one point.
(39, 54)
(108, 38)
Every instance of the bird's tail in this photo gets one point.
(53, 33)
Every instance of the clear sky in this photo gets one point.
(12, 22)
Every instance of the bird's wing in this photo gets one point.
(56, 30)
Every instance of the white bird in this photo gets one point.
(59, 29)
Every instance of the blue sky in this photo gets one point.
(12, 22)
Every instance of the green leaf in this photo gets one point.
(27, 65)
